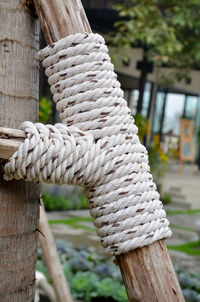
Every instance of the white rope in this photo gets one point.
(97, 148)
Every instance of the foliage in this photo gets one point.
(198, 136)
(167, 29)
(45, 109)
(90, 274)
(142, 123)
(190, 284)
(191, 295)
(93, 277)
(166, 198)
(181, 228)
(191, 248)
(84, 285)
(57, 202)
(187, 212)
(158, 160)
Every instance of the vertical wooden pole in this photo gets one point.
(19, 201)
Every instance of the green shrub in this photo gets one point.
(56, 202)
(84, 285)
(142, 124)
(60, 202)
(166, 198)
(91, 276)
(120, 294)
(108, 288)
(45, 110)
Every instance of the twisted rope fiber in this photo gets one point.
(96, 147)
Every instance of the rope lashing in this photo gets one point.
(96, 147)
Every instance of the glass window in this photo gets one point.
(126, 94)
(191, 106)
(146, 99)
(134, 95)
(158, 112)
(173, 112)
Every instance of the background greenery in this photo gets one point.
(168, 30)
(93, 277)
(45, 110)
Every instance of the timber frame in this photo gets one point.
(147, 272)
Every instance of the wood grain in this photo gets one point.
(51, 259)
(8, 147)
(19, 201)
(60, 18)
(10, 140)
(147, 272)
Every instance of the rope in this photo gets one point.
(96, 147)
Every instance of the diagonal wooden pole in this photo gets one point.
(51, 259)
(147, 272)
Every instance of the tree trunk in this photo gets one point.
(19, 201)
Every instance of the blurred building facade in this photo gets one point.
(164, 105)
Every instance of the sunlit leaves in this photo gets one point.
(169, 30)
(45, 109)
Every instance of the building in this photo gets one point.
(164, 105)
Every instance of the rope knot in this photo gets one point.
(96, 147)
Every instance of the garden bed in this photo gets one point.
(93, 277)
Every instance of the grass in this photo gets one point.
(188, 212)
(191, 248)
(75, 222)
(181, 228)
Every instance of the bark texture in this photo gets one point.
(19, 201)
(148, 274)
(51, 259)
(60, 18)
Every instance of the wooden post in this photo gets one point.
(60, 18)
(19, 201)
(147, 272)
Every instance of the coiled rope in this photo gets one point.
(96, 147)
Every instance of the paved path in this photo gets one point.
(188, 182)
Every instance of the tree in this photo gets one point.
(168, 30)
(19, 201)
